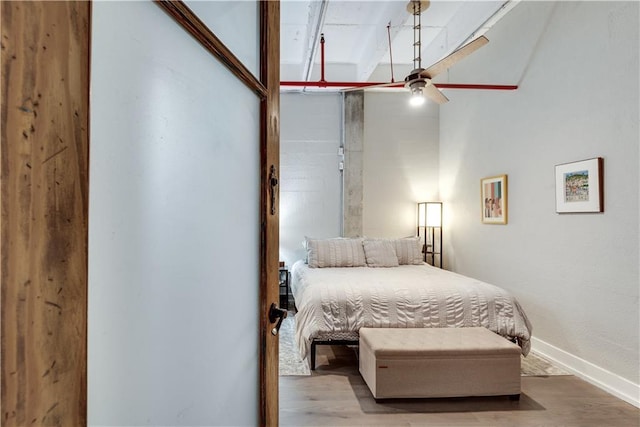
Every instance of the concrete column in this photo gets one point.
(353, 155)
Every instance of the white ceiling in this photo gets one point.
(357, 38)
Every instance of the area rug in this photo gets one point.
(291, 364)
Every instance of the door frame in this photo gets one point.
(45, 189)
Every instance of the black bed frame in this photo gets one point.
(315, 343)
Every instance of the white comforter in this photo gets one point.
(331, 301)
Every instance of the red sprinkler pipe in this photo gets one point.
(322, 57)
(329, 84)
(323, 83)
(474, 86)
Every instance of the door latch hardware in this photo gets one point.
(273, 188)
(276, 313)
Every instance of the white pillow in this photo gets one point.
(409, 251)
(338, 252)
(380, 253)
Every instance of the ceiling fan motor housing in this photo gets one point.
(417, 6)
(414, 80)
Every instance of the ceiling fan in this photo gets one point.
(419, 80)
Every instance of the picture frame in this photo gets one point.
(579, 186)
(493, 199)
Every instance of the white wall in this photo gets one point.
(401, 158)
(310, 179)
(576, 275)
(173, 228)
(400, 166)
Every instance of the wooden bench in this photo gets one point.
(438, 362)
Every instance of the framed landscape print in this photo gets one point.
(579, 186)
(493, 194)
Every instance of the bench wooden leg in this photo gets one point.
(313, 355)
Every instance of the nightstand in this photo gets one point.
(283, 279)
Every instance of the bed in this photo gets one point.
(340, 289)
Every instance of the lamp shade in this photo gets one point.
(430, 214)
(434, 214)
(430, 232)
(422, 212)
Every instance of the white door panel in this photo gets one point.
(173, 228)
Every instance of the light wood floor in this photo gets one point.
(336, 395)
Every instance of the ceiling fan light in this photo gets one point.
(417, 97)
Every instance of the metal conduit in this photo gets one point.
(308, 67)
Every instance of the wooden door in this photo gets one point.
(45, 193)
(45, 125)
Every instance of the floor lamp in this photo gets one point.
(430, 230)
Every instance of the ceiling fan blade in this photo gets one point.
(454, 57)
(372, 86)
(435, 94)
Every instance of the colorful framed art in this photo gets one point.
(579, 186)
(493, 194)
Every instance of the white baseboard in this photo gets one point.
(608, 381)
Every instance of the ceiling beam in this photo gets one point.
(317, 13)
(506, 7)
(456, 33)
(376, 44)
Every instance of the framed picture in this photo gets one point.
(579, 186)
(493, 193)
